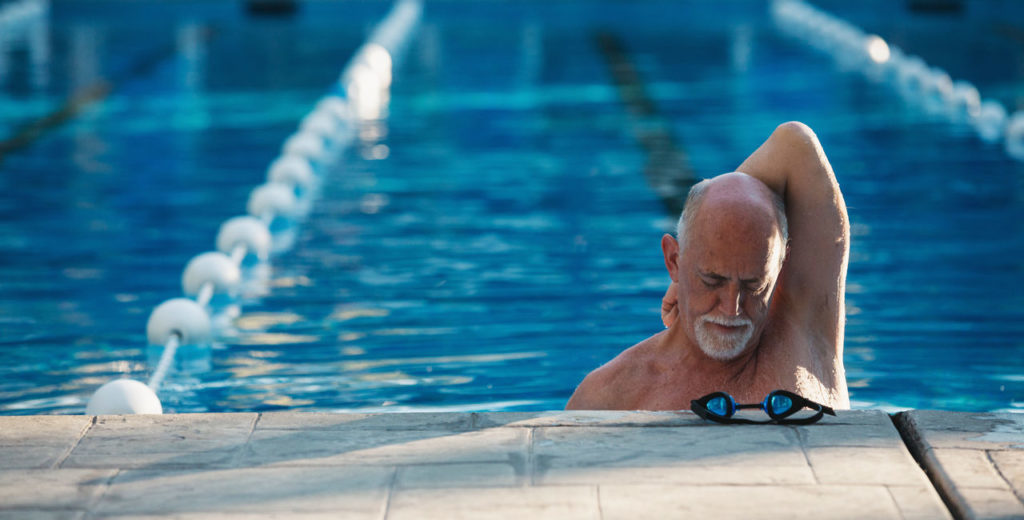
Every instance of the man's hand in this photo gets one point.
(669, 309)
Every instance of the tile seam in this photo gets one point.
(895, 502)
(252, 427)
(530, 477)
(94, 504)
(807, 457)
(390, 492)
(926, 460)
(59, 463)
(1009, 485)
(240, 454)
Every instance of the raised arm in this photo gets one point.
(792, 163)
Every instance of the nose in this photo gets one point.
(730, 299)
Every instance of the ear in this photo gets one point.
(670, 248)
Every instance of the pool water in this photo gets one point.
(495, 237)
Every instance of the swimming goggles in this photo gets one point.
(780, 405)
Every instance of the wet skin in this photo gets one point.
(730, 269)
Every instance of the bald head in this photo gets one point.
(735, 202)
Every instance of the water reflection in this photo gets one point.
(740, 48)
(276, 338)
(191, 44)
(364, 86)
(345, 313)
(39, 53)
(191, 108)
(25, 24)
(495, 242)
(90, 147)
(256, 321)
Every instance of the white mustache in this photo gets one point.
(727, 322)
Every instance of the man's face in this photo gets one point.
(727, 270)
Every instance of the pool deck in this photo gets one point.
(510, 465)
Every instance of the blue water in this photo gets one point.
(494, 238)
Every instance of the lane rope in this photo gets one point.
(360, 93)
(920, 84)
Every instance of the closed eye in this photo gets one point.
(755, 286)
(712, 280)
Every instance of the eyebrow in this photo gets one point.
(715, 276)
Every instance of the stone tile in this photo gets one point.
(317, 448)
(865, 428)
(991, 503)
(535, 503)
(32, 457)
(987, 431)
(181, 453)
(38, 441)
(350, 492)
(513, 419)
(190, 424)
(648, 418)
(705, 455)
(52, 488)
(970, 441)
(458, 475)
(856, 465)
(691, 472)
(919, 503)
(308, 421)
(169, 441)
(41, 429)
(38, 514)
(876, 418)
(969, 468)
(745, 502)
(937, 420)
(851, 436)
(1010, 465)
(231, 516)
(967, 453)
(475, 465)
(587, 418)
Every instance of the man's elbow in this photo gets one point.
(803, 153)
(797, 132)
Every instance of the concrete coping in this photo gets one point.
(555, 464)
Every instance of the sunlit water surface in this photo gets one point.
(495, 238)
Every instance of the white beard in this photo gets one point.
(723, 346)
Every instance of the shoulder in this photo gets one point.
(617, 384)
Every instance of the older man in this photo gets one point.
(756, 301)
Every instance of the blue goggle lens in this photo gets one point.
(780, 404)
(719, 406)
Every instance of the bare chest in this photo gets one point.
(783, 361)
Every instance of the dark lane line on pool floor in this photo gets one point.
(82, 98)
(668, 170)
